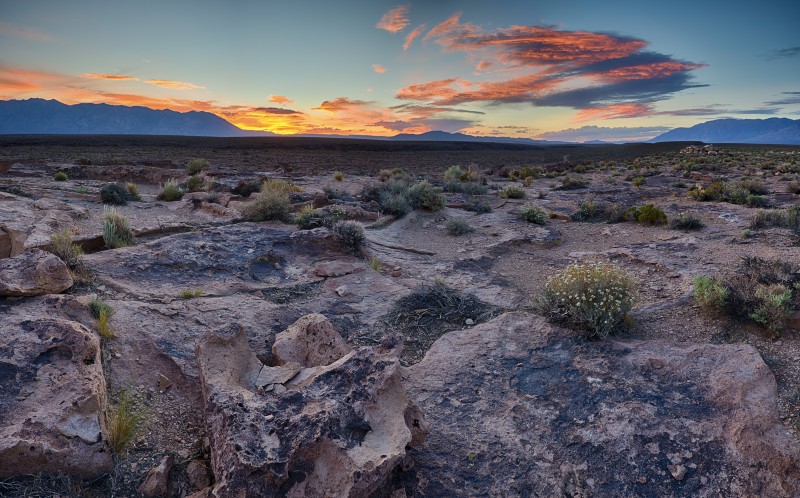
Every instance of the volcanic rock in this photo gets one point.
(311, 342)
(33, 273)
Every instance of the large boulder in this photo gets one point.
(12, 241)
(329, 431)
(517, 407)
(33, 273)
(52, 398)
(311, 341)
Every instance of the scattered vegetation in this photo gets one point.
(595, 211)
(638, 181)
(512, 192)
(246, 188)
(686, 221)
(375, 264)
(96, 306)
(744, 192)
(466, 182)
(124, 423)
(191, 293)
(710, 293)
(593, 298)
(571, 183)
(116, 229)
(647, 215)
(338, 176)
(196, 182)
(170, 191)
(424, 195)
(534, 214)
(196, 166)
(115, 193)
(133, 191)
(308, 217)
(272, 203)
(103, 324)
(782, 218)
(60, 176)
(349, 233)
(478, 206)
(458, 226)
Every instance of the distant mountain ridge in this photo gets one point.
(745, 131)
(51, 117)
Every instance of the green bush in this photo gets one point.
(196, 166)
(338, 176)
(453, 174)
(272, 203)
(647, 215)
(349, 233)
(570, 183)
(308, 217)
(97, 306)
(62, 245)
(534, 214)
(477, 206)
(638, 181)
(116, 229)
(423, 195)
(709, 292)
(115, 193)
(593, 298)
(458, 226)
(60, 176)
(170, 191)
(196, 182)
(512, 192)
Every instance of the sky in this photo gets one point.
(560, 70)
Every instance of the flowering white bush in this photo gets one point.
(594, 298)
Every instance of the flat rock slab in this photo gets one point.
(519, 408)
(52, 397)
(33, 273)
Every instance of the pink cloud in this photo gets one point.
(174, 85)
(378, 68)
(280, 99)
(395, 20)
(109, 77)
(412, 36)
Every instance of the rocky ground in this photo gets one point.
(423, 368)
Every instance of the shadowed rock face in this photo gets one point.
(33, 273)
(516, 408)
(52, 397)
(323, 431)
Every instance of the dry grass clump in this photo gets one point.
(133, 191)
(783, 218)
(592, 298)
(686, 222)
(590, 210)
(647, 215)
(308, 217)
(273, 202)
(571, 183)
(709, 292)
(190, 293)
(512, 192)
(466, 182)
(170, 191)
(534, 214)
(123, 422)
(349, 233)
(63, 246)
(104, 329)
(196, 182)
(116, 229)
(744, 192)
(196, 166)
(60, 176)
(458, 226)
(424, 195)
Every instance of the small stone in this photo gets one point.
(677, 471)
(197, 475)
(642, 480)
(163, 382)
(269, 418)
(342, 291)
(469, 321)
(156, 481)
(396, 273)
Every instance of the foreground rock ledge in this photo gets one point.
(325, 431)
(519, 408)
(52, 399)
(33, 273)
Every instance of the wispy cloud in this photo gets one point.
(174, 85)
(610, 134)
(379, 69)
(604, 74)
(792, 99)
(280, 99)
(784, 52)
(26, 33)
(412, 36)
(109, 77)
(276, 110)
(339, 104)
(395, 20)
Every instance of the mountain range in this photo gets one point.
(51, 117)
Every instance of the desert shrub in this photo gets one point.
(60, 176)
(83, 161)
(349, 233)
(114, 193)
(593, 298)
(196, 182)
(123, 422)
(571, 183)
(133, 191)
(453, 174)
(338, 176)
(308, 217)
(62, 245)
(534, 214)
(458, 226)
(375, 264)
(753, 186)
(743, 192)
(190, 293)
(395, 203)
(469, 188)
(793, 187)
(196, 166)
(783, 218)
(394, 174)
(424, 195)
(710, 292)
(686, 221)
(337, 194)
(96, 306)
(104, 329)
(246, 188)
(590, 210)
(711, 193)
(272, 203)
(170, 191)
(512, 192)
(477, 206)
(116, 229)
(638, 181)
(647, 215)
(528, 172)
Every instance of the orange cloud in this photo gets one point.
(412, 36)
(339, 104)
(445, 27)
(280, 99)
(378, 68)
(109, 77)
(647, 71)
(174, 85)
(615, 111)
(32, 34)
(395, 20)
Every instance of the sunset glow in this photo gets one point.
(519, 70)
